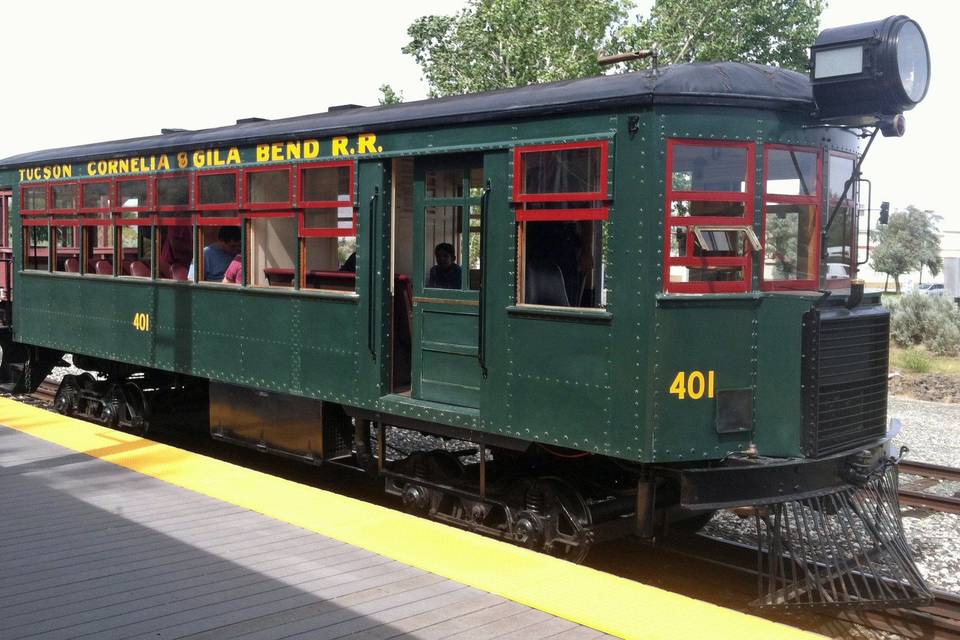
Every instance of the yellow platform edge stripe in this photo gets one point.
(610, 604)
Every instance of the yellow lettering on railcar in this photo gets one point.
(338, 146)
(141, 321)
(695, 385)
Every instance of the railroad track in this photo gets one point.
(933, 474)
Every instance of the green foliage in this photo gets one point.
(492, 44)
(389, 96)
(915, 360)
(933, 322)
(774, 32)
(909, 242)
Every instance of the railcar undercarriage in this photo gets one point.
(828, 530)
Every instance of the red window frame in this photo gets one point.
(23, 200)
(149, 219)
(51, 200)
(746, 220)
(113, 195)
(219, 221)
(220, 206)
(274, 206)
(533, 215)
(118, 204)
(327, 204)
(332, 232)
(172, 207)
(776, 198)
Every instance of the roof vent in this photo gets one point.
(249, 120)
(165, 131)
(343, 107)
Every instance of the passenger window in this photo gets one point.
(173, 193)
(96, 196)
(273, 250)
(217, 190)
(33, 199)
(709, 232)
(97, 245)
(327, 227)
(563, 208)
(176, 247)
(63, 197)
(133, 194)
(790, 220)
(36, 243)
(267, 188)
(66, 256)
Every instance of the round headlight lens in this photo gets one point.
(913, 61)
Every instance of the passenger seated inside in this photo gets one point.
(218, 255)
(234, 272)
(446, 274)
(177, 249)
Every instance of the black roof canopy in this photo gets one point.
(720, 83)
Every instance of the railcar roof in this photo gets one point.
(718, 83)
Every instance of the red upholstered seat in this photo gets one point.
(139, 269)
(103, 268)
(72, 265)
(179, 271)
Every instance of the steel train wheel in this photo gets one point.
(68, 396)
(114, 405)
(136, 409)
(564, 516)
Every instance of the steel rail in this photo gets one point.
(927, 470)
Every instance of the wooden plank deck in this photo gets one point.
(89, 549)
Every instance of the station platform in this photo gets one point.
(108, 535)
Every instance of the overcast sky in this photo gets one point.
(80, 72)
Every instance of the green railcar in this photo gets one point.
(634, 294)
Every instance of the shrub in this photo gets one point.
(917, 319)
(915, 360)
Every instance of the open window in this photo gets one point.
(791, 214)
(97, 244)
(561, 192)
(709, 216)
(65, 245)
(36, 244)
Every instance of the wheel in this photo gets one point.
(567, 532)
(137, 410)
(68, 395)
(113, 406)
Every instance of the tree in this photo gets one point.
(492, 44)
(389, 96)
(773, 32)
(908, 242)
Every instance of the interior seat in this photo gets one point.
(545, 285)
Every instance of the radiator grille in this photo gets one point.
(847, 355)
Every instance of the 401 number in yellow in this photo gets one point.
(141, 321)
(693, 385)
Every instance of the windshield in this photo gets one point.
(840, 251)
